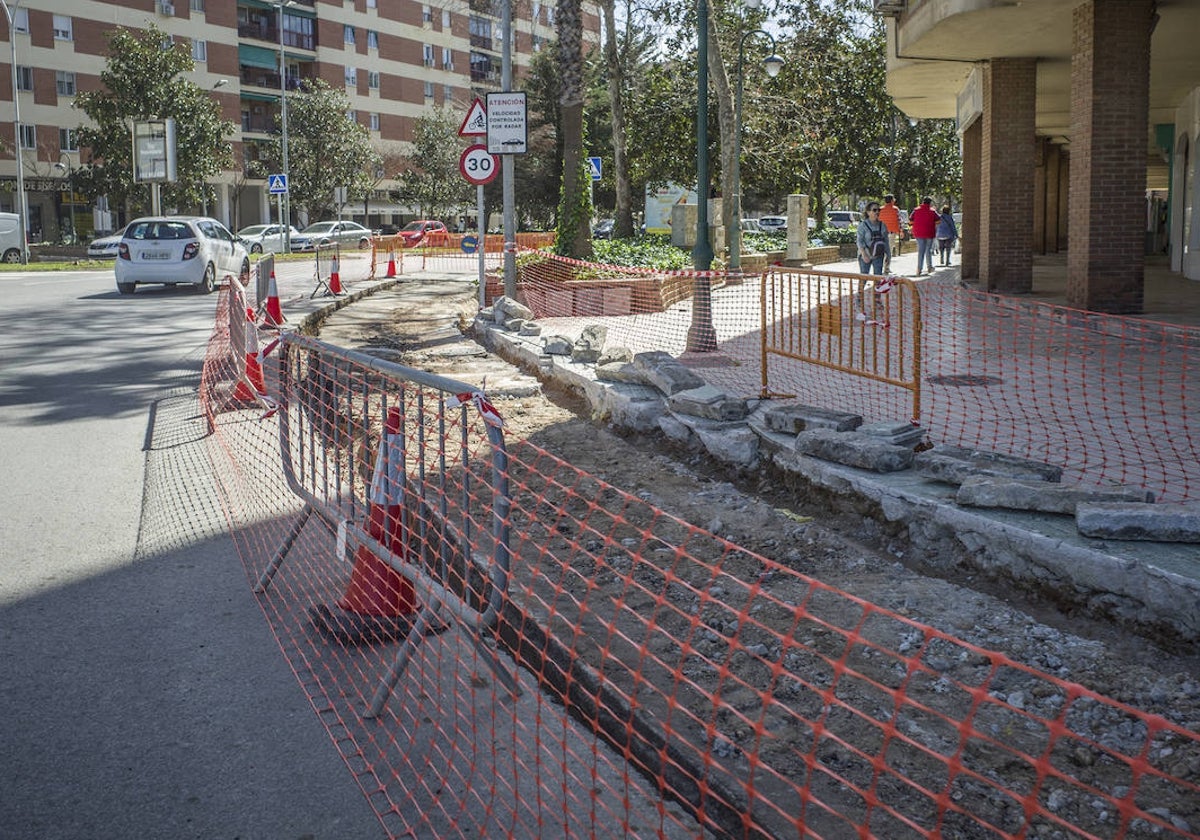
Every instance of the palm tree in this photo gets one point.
(575, 207)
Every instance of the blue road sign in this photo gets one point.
(469, 244)
(594, 164)
(277, 184)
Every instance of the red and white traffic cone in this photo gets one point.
(251, 385)
(335, 279)
(274, 311)
(391, 269)
(379, 604)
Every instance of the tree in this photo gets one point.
(575, 205)
(326, 149)
(142, 79)
(429, 176)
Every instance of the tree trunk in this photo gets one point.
(725, 121)
(575, 208)
(623, 227)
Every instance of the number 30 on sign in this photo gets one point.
(477, 165)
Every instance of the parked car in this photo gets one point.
(424, 232)
(750, 226)
(105, 247)
(843, 218)
(259, 238)
(604, 230)
(10, 238)
(773, 224)
(389, 230)
(189, 250)
(327, 233)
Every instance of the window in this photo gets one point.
(67, 141)
(370, 4)
(447, 94)
(538, 40)
(351, 76)
(64, 82)
(28, 136)
(537, 12)
(199, 50)
(445, 18)
(447, 58)
(374, 122)
(348, 34)
(21, 20)
(197, 5)
(427, 53)
(352, 115)
(373, 79)
(62, 28)
(24, 78)
(426, 14)
(372, 39)
(429, 90)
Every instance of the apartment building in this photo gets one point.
(396, 59)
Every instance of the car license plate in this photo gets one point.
(156, 255)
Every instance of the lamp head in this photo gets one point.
(773, 64)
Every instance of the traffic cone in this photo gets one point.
(335, 280)
(274, 311)
(391, 269)
(251, 386)
(379, 604)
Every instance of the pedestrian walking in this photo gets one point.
(874, 251)
(889, 214)
(947, 232)
(924, 222)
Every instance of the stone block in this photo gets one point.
(854, 449)
(663, 371)
(557, 345)
(1148, 522)
(590, 344)
(793, 419)
(710, 402)
(620, 372)
(895, 432)
(955, 464)
(1043, 496)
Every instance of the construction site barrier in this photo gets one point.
(1110, 399)
(327, 270)
(864, 326)
(666, 682)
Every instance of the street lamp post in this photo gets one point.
(702, 336)
(69, 171)
(21, 204)
(773, 64)
(285, 210)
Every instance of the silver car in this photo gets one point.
(104, 247)
(188, 250)
(259, 238)
(326, 233)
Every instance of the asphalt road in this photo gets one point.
(141, 694)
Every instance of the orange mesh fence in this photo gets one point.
(1108, 398)
(387, 256)
(632, 674)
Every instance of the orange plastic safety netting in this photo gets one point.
(1110, 399)
(502, 645)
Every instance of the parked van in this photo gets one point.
(10, 238)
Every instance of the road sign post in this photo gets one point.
(479, 167)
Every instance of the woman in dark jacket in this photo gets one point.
(947, 232)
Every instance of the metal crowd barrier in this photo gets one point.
(863, 325)
(448, 471)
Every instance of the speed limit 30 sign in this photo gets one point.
(478, 165)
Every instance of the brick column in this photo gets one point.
(1039, 194)
(1055, 199)
(1110, 100)
(971, 140)
(1006, 187)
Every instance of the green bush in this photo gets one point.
(836, 236)
(650, 251)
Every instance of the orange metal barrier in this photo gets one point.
(857, 324)
(669, 683)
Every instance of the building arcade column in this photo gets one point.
(1110, 100)
(1007, 175)
(972, 139)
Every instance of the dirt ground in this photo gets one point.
(757, 510)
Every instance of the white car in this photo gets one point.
(843, 218)
(105, 247)
(773, 224)
(190, 250)
(326, 233)
(259, 238)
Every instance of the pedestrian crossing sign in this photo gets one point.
(277, 184)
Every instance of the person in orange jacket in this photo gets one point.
(889, 214)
